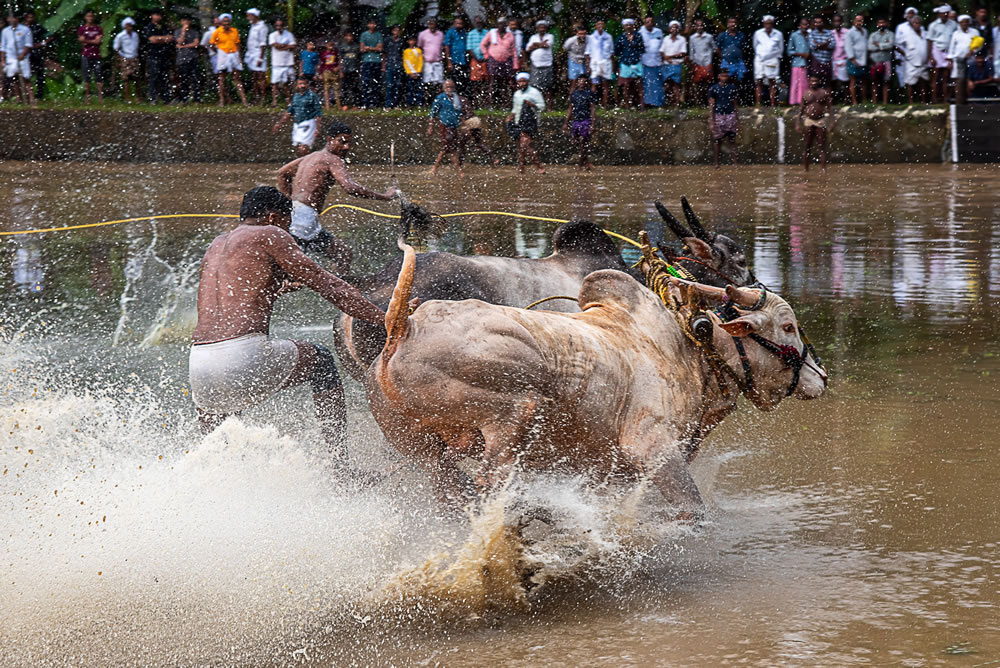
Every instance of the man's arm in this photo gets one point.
(351, 187)
(286, 174)
(280, 245)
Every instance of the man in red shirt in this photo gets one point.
(90, 35)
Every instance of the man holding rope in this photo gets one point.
(308, 180)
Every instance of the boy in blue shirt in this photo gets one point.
(304, 112)
(309, 61)
(723, 121)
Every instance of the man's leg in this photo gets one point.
(821, 140)
(806, 145)
(316, 366)
(734, 148)
(758, 90)
(716, 146)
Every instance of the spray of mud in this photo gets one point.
(129, 538)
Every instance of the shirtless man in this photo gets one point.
(308, 180)
(234, 364)
(817, 109)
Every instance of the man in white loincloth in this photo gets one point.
(282, 61)
(234, 363)
(304, 112)
(307, 181)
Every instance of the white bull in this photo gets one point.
(615, 389)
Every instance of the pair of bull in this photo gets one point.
(618, 388)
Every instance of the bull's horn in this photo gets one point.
(707, 291)
(747, 297)
(693, 221)
(675, 225)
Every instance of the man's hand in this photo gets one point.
(287, 286)
(391, 193)
(276, 128)
(430, 130)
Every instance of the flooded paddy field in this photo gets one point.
(862, 528)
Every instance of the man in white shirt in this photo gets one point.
(206, 43)
(126, 48)
(256, 54)
(539, 50)
(856, 49)
(913, 46)
(15, 45)
(939, 34)
(600, 50)
(528, 105)
(701, 51)
(282, 44)
(958, 55)
(674, 51)
(652, 63)
(900, 66)
(768, 45)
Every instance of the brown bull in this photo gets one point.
(615, 389)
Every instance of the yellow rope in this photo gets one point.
(124, 220)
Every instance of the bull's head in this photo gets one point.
(724, 260)
(781, 363)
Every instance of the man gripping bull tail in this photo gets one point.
(398, 313)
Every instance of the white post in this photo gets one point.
(953, 118)
(781, 140)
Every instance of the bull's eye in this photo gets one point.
(789, 328)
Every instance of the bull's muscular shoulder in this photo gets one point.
(611, 287)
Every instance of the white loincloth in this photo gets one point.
(14, 68)
(601, 69)
(305, 221)
(282, 74)
(228, 62)
(840, 70)
(766, 69)
(304, 133)
(232, 375)
(913, 73)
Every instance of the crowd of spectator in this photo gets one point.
(953, 58)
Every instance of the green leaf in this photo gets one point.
(399, 10)
(66, 10)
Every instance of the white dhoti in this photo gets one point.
(233, 375)
(601, 69)
(305, 222)
(17, 68)
(914, 72)
(304, 133)
(840, 70)
(765, 69)
(254, 62)
(282, 74)
(228, 62)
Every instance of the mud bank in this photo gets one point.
(864, 135)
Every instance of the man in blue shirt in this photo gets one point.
(629, 49)
(821, 44)
(730, 46)
(477, 60)
(723, 121)
(447, 111)
(304, 112)
(455, 46)
(799, 51)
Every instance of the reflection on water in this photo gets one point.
(858, 529)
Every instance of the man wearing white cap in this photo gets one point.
(900, 67)
(226, 40)
(958, 54)
(15, 45)
(768, 45)
(913, 44)
(939, 34)
(674, 50)
(539, 51)
(522, 122)
(126, 48)
(600, 50)
(206, 43)
(256, 54)
(629, 48)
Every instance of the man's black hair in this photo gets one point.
(338, 128)
(263, 200)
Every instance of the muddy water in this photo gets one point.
(862, 528)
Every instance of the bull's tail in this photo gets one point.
(398, 313)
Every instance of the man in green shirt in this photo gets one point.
(371, 65)
(304, 112)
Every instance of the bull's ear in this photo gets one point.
(743, 326)
(699, 248)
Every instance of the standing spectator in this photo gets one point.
(431, 43)
(723, 117)
(371, 66)
(477, 61)
(856, 47)
(768, 46)
(581, 118)
(329, 72)
(126, 48)
(501, 61)
(158, 42)
(514, 28)
(652, 63)
(674, 50)
(392, 66)
(799, 51)
(413, 65)
(282, 43)
(90, 35)
(939, 34)
(959, 51)
(982, 76)
(629, 48)
(40, 39)
(447, 111)
(527, 106)
(256, 55)
(188, 76)
(996, 46)
(981, 23)
(912, 42)
(900, 65)
(309, 62)
(600, 51)
(15, 46)
(577, 60)
(539, 51)
(226, 40)
(206, 43)
(881, 47)
(350, 71)
(454, 51)
(821, 44)
(304, 111)
(817, 111)
(730, 45)
(701, 47)
(839, 63)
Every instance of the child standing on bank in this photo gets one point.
(413, 65)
